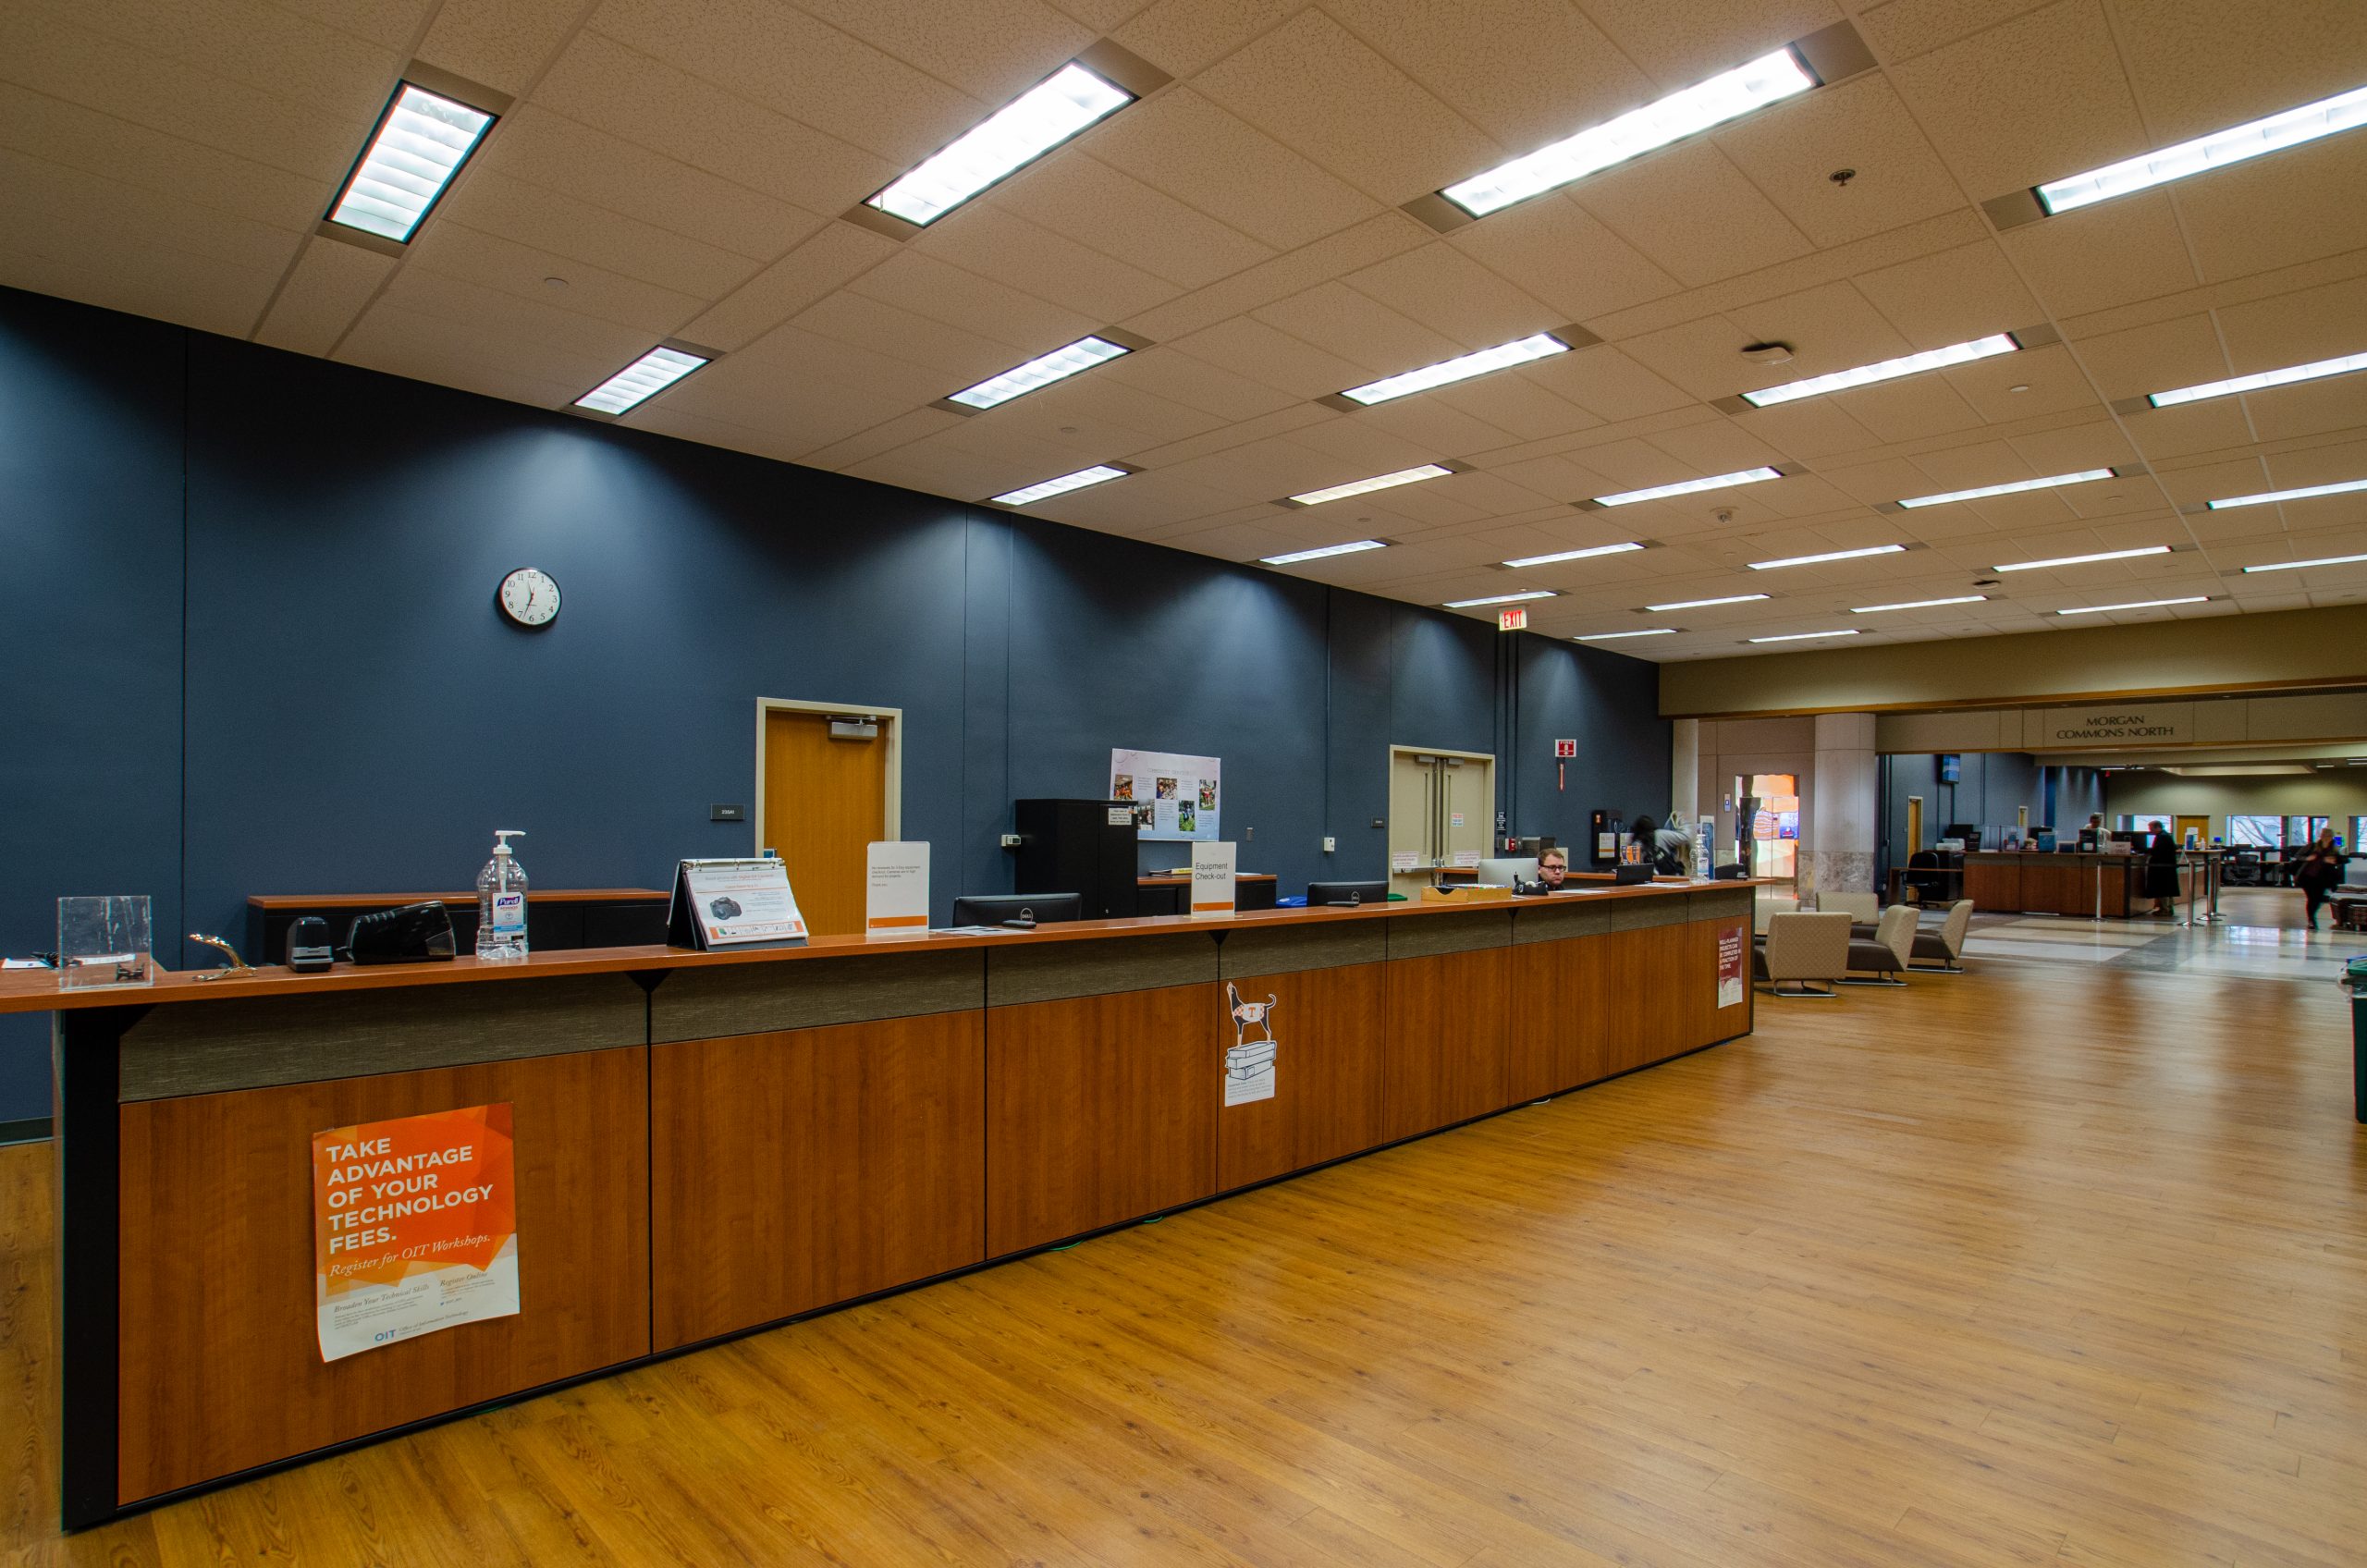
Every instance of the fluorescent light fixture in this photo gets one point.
(1807, 636)
(1689, 487)
(2315, 370)
(1463, 367)
(2302, 566)
(1349, 548)
(1705, 603)
(1586, 554)
(1829, 556)
(2050, 482)
(2265, 497)
(1922, 603)
(1616, 636)
(2140, 605)
(1498, 599)
(1041, 371)
(1007, 140)
(2218, 150)
(1367, 486)
(1100, 474)
(1887, 369)
(2083, 560)
(1771, 78)
(639, 381)
(421, 140)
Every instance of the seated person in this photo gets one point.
(1553, 865)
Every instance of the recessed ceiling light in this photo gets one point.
(1616, 636)
(2050, 482)
(1690, 486)
(1041, 371)
(1886, 370)
(1349, 548)
(642, 380)
(1705, 603)
(2301, 494)
(1829, 556)
(2302, 566)
(421, 140)
(2140, 605)
(1771, 78)
(1807, 636)
(1367, 486)
(1463, 367)
(2083, 560)
(1922, 603)
(2218, 150)
(1100, 474)
(1588, 553)
(1007, 140)
(1498, 599)
(2314, 371)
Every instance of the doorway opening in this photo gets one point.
(1768, 826)
(1442, 814)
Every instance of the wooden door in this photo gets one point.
(2199, 825)
(825, 801)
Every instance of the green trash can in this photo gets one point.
(2354, 980)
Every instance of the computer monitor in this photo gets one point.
(1318, 894)
(995, 909)
(1504, 873)
(1968, 831)
(1535, 848)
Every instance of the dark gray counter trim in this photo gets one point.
(755, 998)
(1435, 933)
(1288, 949)
(1057, 971)
(1550, 920)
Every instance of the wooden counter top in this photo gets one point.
(33, 990)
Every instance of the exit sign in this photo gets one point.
(1566, 748)
(1513, 619)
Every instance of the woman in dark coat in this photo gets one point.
(2319, 870)
(2162, 869)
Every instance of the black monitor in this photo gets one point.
(1320, 894)
(1533, 848)
(1968, 831)
(998, 909)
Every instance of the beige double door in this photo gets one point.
(1442, 813)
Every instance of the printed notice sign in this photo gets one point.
(1731, 979)
(896, 887)
(1404, 860)
(1249, 1065)
(1175, 797)
(736, 903)
(414, 1227)
(1212, 878)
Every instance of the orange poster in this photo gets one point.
(414, 1227)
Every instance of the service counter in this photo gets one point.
(2034, 883)
(708, 1144)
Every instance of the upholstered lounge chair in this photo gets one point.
(1939, 950)
(1803, 950)
(1880, 960)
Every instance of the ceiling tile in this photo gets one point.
(884, 436)
(1486, 63)
(1321, 261)
(916, 281)
(1196, 384)
(1558, 252)
(457, 250)
(552, 221)
(265, 49)
(1901, 29)
(1212, 160)
(1682, 45)
(115, 149)
(1098, 206)
(833, 257)
(1313, 85)
(1184, 37)
(1606, 383)
(1272, 357)
(986, 239)
(1693, 213)
(2297, 206)
(1359, 330)
(2033, 98)
(503, 43)
(1953, 296)
(1435, 426)
(1791, 152)
(2203, 68)
(321, 296)
(2114, 253)
(1444, 290)
(993, 49)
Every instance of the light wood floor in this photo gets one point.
(2039, 1264)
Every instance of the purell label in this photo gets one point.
(508, 912)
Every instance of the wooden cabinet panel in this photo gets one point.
(1555, 1038)
(2057, 886)
(1444, 1060)
(792, 1169)
(220, 1364)
(1099, 1108)
(1993, 882)
(1328, 1084)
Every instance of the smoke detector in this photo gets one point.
(1768, 353)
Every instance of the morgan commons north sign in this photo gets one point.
(2117, 724)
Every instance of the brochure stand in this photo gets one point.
(722, 905)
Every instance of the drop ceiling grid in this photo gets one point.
(1242, 219)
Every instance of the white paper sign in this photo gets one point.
(1249, 1064)
(1175, 797)
(895, 893)
(1466, 857)
(737, 901)
(1404, 860)
(1212, 878)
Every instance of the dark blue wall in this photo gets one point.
(1991, 788)
(248, 608)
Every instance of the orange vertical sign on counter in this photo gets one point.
(414, 1227)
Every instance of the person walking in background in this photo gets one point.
(1646, 835)
(2161, 868)
(1676, 844)
(2319, 870)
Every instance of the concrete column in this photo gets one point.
(1840, 826)
(1684, 771)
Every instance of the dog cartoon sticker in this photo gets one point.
(1249, 1065)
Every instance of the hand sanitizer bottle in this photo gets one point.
(501, 901)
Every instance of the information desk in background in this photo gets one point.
(2059, 884)
(705, 1144)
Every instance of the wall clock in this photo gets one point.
(529, 598)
